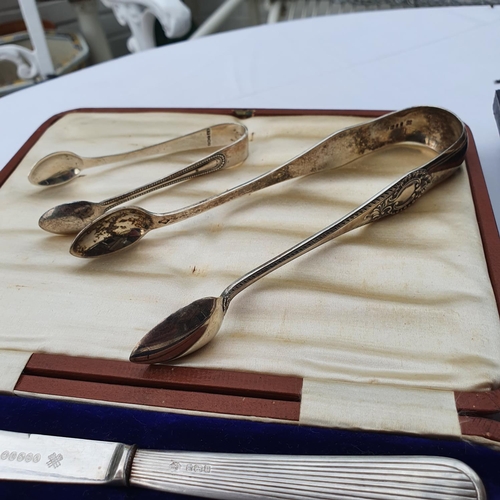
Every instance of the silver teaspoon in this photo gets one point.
(64, 166)
(433, 127)
(194, 325)
(70, 218)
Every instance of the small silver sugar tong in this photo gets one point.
(230, 139)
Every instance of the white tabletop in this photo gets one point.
(393, 59)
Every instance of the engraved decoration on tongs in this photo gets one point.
(196, 324)
(231, 139)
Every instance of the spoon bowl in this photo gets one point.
(56, 168)
(118, 231)
(69, 218)
(186, 330)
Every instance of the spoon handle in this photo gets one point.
(215, 136)
(395, 198)
(228, 156)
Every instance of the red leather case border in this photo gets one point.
(232, 392)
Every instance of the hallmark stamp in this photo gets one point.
(54, 460)
(205, 468)
(189, 467)
(20, 456)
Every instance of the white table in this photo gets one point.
(447, 57)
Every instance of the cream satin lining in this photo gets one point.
(383, 323)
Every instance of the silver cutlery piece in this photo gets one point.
(196, 324)
(64, 166)
(236, 476)
(230, 138)
(429, 126)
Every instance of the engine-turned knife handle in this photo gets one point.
(250, 477)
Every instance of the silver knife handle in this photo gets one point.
(250, 477)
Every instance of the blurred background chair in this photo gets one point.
(141, 15)
(31, 52)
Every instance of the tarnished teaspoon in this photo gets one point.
(194, 325)
(425, 125)
(64, 166)
(70, 218)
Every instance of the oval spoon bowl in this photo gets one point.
(125, 228)
(56, 168)
(66, 218)
(186, 330)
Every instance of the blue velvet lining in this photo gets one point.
(156, 430)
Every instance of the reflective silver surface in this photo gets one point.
(230, 138)
(433, 127)
(195, 325)
(226, 476)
